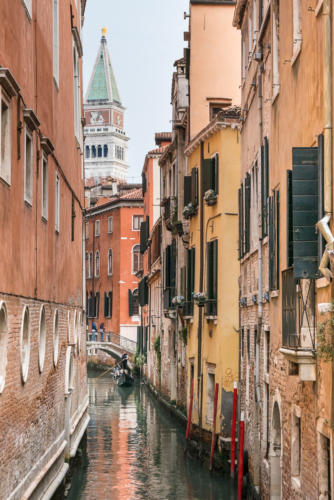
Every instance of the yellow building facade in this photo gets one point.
(213, 269)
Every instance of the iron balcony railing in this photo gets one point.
(298, 311)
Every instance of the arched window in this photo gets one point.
(97, 264)
(110, 262)
(25, 343)
(87, 265)
(137, 259)
(105, 150)
(42, 339)
(3, 344)
(135, 302)
(87, 152)
(99, 151)
(93, 152)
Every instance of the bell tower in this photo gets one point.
(106, 142)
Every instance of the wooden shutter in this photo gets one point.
(143, 183)
(173, 263)
(271, 243)
(183, 281)
(277, 230)
(110, 304)
(305, 199)
(289, 235)
(241, 224)
(215, 173)
(207, 175)
(214, 276)
(147, 228)
(247, 212)
(187, 189)
(106, 305)
(186, 54)
(139, 338)
(321, 213)
(194, 187)
(265, 185)
(130, 302)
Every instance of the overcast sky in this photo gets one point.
(144, 38)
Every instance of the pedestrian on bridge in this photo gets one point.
(101, 331)
(94, 331)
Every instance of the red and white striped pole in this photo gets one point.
(190, 409)
(234, 420)
(241, 455)
(213, 440)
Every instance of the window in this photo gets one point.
(108, 305)
(296, 445)
(264, 186)
(87, 152)
(55, 338)
(93, 151)
(267, 351)
(250, 38)
(5, 158)
(243, 61)
(57, 209)
(110, 262)
(87, 230)
(110, 225)
(119, 153)
(28, 166)
(105, 150)
(275, 45)
(137, 259)
(135, 303)
(189, 304)
(254, 22)
(97, 264)
(77, 100)
(210, 174)
(274, 211)
(136, 221)
(97, 228)
(87, 265)
(210, 395)
(56, 41)
(41, 339)
(212, 278)
(325, 467)
(28, 7)
(99, 151)
(3, 344)
(25, 344)
(297, 29)
(90, 265)
(45, 188)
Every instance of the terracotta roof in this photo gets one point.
(134, 194)
(157, 151)
(162, 137)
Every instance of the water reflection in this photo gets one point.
(135, 451)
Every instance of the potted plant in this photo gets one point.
(200, 298)
(210, 197)
(178, 300)
(188, 211)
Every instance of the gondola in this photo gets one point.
(125, 379)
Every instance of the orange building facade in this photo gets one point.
(43, 390)
(112, 236)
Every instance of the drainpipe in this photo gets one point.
(201, 282)
(323, 224)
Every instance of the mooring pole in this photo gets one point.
(241, 455)
(234, 420)
(213, 440)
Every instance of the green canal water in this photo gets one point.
(135, 451)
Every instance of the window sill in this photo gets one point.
(306, 360)
(296, 52)
(4, 181)
(28, 203)
(44, 219)
(318, 8)
(56, 83)
(276, 89)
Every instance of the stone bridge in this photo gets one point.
(114, 345)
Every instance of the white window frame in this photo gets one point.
(28, 189)
(91, 264)
(45, 188)
(56, 335)
(110, 268)
(141, 217)
(110, 225)
(275, 56)
(42, 334)
(5, 165)
(55, 32)
(57, 204)
(132, 259)
(28, 7)
(25, 344)
(297, 30)
(97, 227)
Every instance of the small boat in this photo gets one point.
(125, 378)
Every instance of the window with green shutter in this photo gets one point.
(289, 236)
(190, 284)
(194, 186)
(130, 298)
(265, 186)
(140, 338)
(143, 291)
(274, 209)
(305, 207)
(212, 278)
(241, 221)
(206, 175)
(247, 212)
(187, 189)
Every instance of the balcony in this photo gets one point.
(299, 323)
(211, 308)
(188, 309)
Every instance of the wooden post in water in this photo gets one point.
(234, 419)
(213, 440)
(241, 456)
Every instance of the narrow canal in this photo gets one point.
(135, 451)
